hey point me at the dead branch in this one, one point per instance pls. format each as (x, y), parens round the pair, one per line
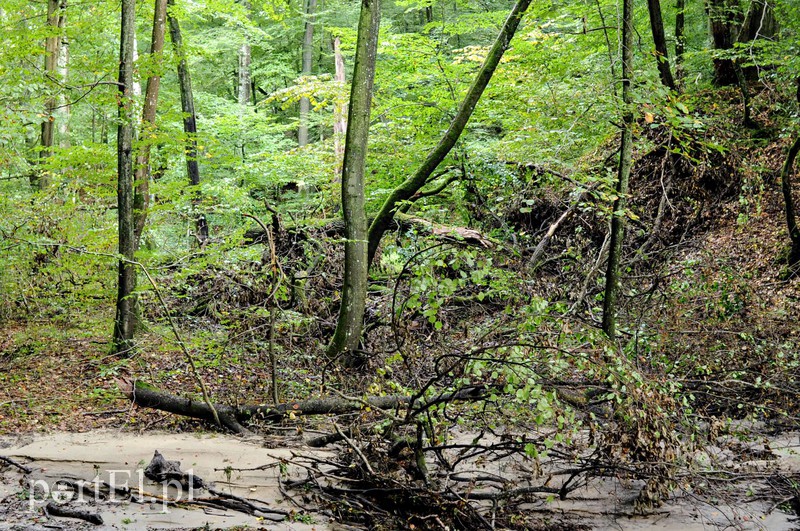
(9, 461)
(53, 509)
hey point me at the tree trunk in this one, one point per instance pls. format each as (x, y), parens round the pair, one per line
(339, 111)
(660, 41)
(126, 314)
(415, 182)
(63, 110)
(245, 56)
(308, 50)
(723, 17)
(680, 38)
(39, 179)
(189, 125)
(786, 187)
(623, 177)
(142, 198)
(354, 290)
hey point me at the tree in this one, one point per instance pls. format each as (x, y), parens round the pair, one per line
(189, 122)
(788, 200)
(339, 111)
(55, 24)
(354, 290)
(126, 314)
(723, 18)
(623, 176)
(680, 38)
(407, 189)
(245, 57)
(142, 181)
(308, 50)
(660, 41)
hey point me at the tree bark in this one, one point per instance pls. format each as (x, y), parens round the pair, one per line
(660, 41)
(723, 17)
(189, 124)
(63, 111)
(623, 177)
(126, 313)
(354, 290)
(339, 112)
(415, 182)
(308, 50)
(39, 179)
(680, 38)
(788, 199)
(141, 202)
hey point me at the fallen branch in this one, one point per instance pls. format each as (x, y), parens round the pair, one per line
(53, 509)
(232, 418)
(9, 461)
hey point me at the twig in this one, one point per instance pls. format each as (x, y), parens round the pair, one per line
(355, 448)
(9, 461)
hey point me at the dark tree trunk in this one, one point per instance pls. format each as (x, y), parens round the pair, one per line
(189, 125)
(354, 291)
(126, 314)
(724, 17)
(660, 41)
(141, 201)
(788, 199)
(680, 38)
(623, 177)
(408, 188)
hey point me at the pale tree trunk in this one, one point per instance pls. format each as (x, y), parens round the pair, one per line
(63, 111)
(660, 41)
(142, 181)
(39, 179)
(308, 50)
(623, 177)
(339, 112)
(354, 290)
(137, 86)
(408, 188)
(126, 314)
(189, 125)
(245, 55)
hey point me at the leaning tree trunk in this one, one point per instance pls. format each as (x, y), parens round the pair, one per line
(660, 41)
(408, 188)
(308, 50)
(141, 202)
(126, 316)
(189, 125)
(356, 268)
(623, 177)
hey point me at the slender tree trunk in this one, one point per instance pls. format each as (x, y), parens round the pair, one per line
(189, 124)
(623, 176)
(39, 179)
(245, 56)
(142, 182)
(680, 38)
(354, 290)
(339, 111)
(660, 40)
(786, 187)
(63, 110)
(413, 183)
(308, 50)
(126, 315)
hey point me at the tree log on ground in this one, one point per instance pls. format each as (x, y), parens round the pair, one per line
(233, 418)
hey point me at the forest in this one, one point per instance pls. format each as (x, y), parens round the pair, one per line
(399, 264)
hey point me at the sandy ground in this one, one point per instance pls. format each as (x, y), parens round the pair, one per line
(256, 468)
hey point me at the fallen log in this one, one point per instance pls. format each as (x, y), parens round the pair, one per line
(232, 418)
(53, 509)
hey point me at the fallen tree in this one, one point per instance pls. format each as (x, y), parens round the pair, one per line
(232, 418)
